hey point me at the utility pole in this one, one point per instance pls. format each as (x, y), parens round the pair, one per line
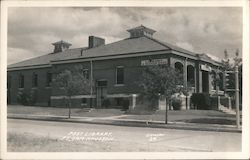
(236, 90)
(166, 113)
(237, 104)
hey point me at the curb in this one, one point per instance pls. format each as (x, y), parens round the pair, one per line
(184, 126)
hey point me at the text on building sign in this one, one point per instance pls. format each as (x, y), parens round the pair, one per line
(154, 62)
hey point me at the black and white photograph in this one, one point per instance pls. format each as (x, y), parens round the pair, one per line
(137, 78)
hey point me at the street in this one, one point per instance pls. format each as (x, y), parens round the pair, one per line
(120, 138)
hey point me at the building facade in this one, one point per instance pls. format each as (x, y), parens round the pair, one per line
(114, 69)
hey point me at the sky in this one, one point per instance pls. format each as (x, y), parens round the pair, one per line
(210, 30)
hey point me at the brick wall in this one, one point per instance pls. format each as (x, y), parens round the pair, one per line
(43, 92)
(102, 69)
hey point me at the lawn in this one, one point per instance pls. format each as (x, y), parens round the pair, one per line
(190, 116)
(31, 110)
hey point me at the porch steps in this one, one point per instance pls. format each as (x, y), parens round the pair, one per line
(226, 110)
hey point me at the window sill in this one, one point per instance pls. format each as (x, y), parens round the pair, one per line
(119, 85)
(34, 88)
(21, 88)
(48, 87)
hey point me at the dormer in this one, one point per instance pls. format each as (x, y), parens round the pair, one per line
(141, 31)
(61, 46)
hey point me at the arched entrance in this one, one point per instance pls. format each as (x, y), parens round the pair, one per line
(179, 68)
(221, 81)
(190, 76)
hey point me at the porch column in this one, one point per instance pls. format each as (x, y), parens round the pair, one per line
(209, 82)
(195, 81)
(200, 81)
(216, 82)
(185, 73)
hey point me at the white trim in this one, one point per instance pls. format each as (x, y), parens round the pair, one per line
(118, 95)
(28, 67)
(94, 96)
(119, 85)
(121, 95)
(129, 55)
(73, 97)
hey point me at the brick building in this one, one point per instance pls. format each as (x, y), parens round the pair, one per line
(113, 68)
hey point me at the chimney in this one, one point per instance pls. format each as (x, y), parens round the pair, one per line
(61, 46)
(95, 41)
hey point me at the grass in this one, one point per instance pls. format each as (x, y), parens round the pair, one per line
(19, 109)
(190, 116)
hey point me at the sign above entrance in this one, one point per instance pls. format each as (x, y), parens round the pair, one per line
(154, 62)
(205, 67)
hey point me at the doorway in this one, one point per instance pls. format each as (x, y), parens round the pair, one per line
(101, 92)
(205, 81)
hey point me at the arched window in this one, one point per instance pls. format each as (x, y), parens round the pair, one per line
(190, 75)
(213, 74)
(85, 73)
(179, 67)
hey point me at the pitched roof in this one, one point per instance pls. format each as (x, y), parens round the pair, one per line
(41, 60)
(126, 46)
(141, 44)
(130, 45)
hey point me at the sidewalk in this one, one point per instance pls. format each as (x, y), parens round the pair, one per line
(121, 121)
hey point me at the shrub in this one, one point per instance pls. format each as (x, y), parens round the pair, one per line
(22, 98)
(201, 100)
(27, 99)
(176, 103)
(125, 104)
(32, 97)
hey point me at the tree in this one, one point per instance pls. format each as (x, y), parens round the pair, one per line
(226, 61)
(72, 82)
(161, 80)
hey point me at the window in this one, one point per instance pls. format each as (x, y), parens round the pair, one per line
(9, 82)
(136, 34)
(34, 80)
(49, 79)
(85, 73)
(120, 75)
(21, 81)
(84, 100)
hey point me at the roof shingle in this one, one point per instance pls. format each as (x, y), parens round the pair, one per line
(129, 45)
